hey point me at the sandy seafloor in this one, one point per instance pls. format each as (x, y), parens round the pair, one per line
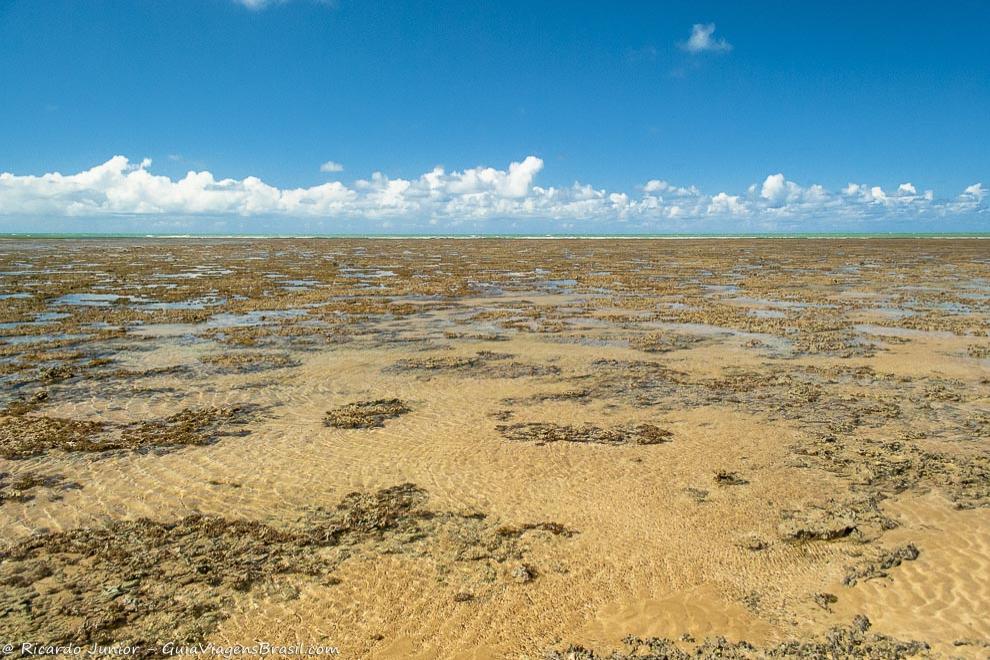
(498, 448)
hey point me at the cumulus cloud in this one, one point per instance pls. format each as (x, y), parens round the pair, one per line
(726, 204)
(975, 192)
(124, 189)
(663, 187)
(703, 40)
(331, 166)
(779, 191)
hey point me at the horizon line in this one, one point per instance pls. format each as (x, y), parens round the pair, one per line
(489, 236)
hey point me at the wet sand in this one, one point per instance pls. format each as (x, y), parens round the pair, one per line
(498, 448)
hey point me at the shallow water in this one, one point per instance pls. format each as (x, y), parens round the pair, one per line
(832, 409)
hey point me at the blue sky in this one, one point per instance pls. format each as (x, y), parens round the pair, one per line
(608, 97)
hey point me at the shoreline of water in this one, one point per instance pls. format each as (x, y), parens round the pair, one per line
(830, 236)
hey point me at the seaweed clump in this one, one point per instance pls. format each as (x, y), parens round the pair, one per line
(728, 478)
(249, 361)
(192, 426)
(146, 581)
(437, 363)
(878, 568)
(817, 525)
(891, 467)
(365, 414)
(852, 641)
(484, 364)
(23, 487)
(544, 432)
(22, 436)
(25, 404)
(979, 351)
(861, 519)
(665, 342)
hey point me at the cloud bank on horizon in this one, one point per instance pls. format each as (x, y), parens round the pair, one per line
(442, 200)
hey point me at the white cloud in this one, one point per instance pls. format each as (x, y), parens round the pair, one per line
(702, 40)
(257, 5)
(331, 166)
(654, 186)
(779, 191)
(725, 204)
(120, 188)
(976, 192)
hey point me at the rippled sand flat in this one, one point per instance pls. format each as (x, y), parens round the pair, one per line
(498, 448)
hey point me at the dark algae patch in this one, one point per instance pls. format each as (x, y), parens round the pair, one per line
(729, 478)
(192, 426)
(365, 414)
(438, 364)
(249, 361)
(24, 404)
(544, 432)
(861, 520)
(484, 364)
(665, 342)
(851, 641)
(147, 581)
(25, 487)
(22, 436)
(878, 567)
